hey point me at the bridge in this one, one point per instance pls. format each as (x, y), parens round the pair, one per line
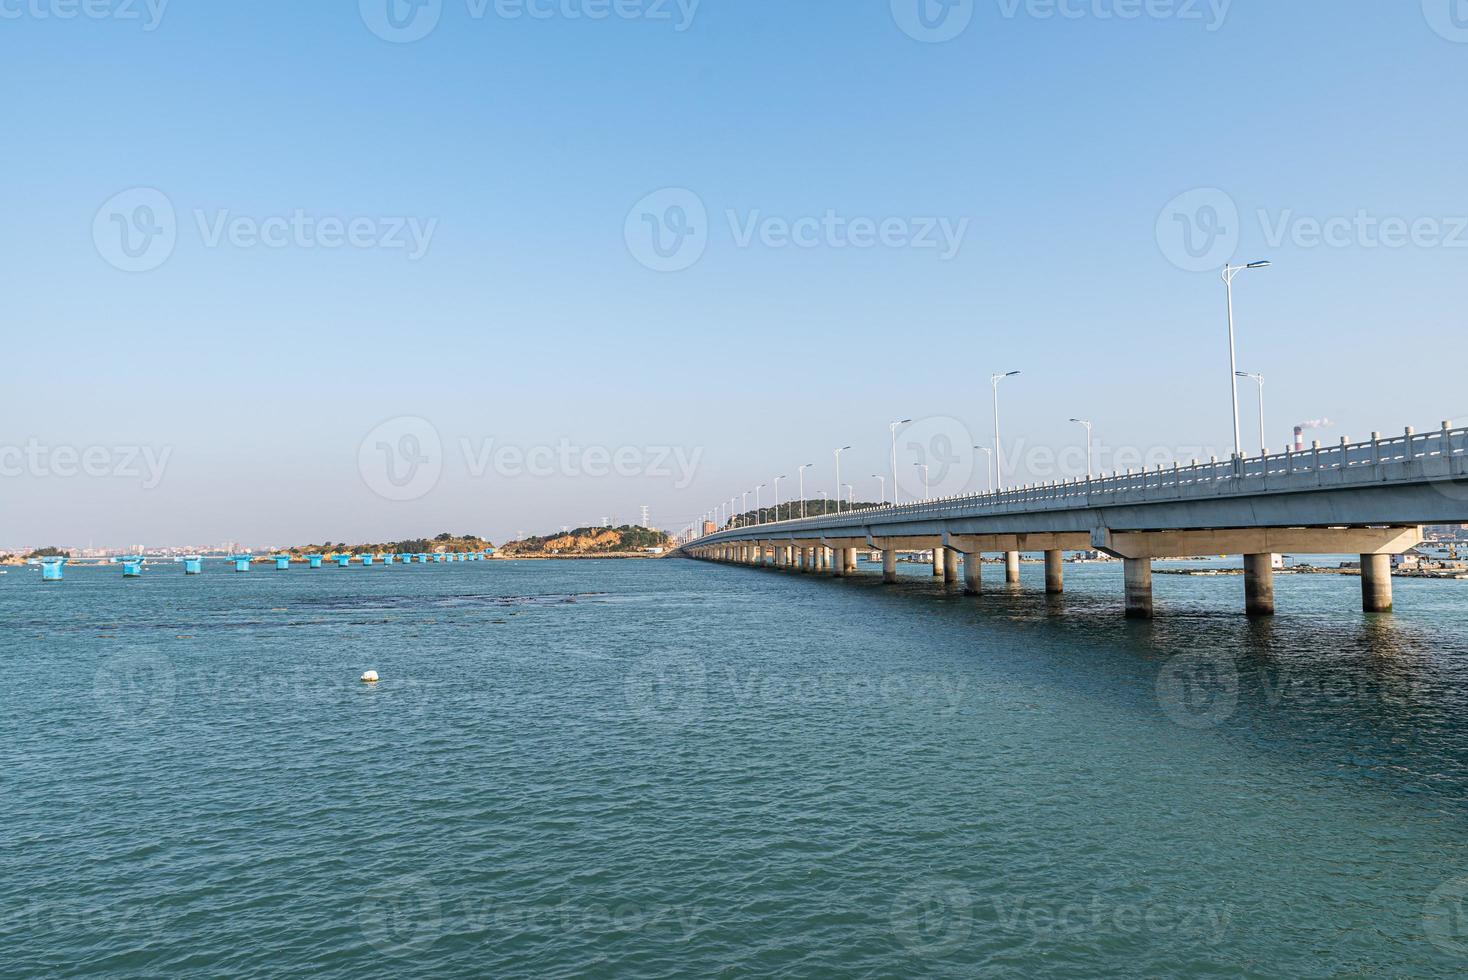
(1366, 498)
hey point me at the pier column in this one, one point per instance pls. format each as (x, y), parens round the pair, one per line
(950, 566)
(937, 561)
(807, 560)
(1259, 585)
(1138, 588)
(1054, 572)
(1011, 567)
(973, 572)
(850, 561)
(889, 565)
(1376, 583)
(838, 563)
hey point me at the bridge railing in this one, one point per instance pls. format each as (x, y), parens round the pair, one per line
(1223, 476)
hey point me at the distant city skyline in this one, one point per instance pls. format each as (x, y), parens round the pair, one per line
(495, 272)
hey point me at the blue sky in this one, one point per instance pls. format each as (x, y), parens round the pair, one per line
(266, 380)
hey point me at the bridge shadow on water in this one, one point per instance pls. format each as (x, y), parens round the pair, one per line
(1372, 699)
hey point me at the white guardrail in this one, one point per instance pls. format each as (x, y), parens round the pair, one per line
(1224, 478)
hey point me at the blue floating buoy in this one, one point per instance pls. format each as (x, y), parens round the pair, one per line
(282, 563)
(388, 559)
(241, 563)
(314, 560)
(51, 569)
(193, 565)
(132, 568)
(342, 561)
(367, 560)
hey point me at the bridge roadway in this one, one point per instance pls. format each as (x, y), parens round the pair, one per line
(1366, 498)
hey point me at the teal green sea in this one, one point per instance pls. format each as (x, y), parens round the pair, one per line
(675, 769)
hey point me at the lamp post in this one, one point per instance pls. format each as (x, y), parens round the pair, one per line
(850, 496)
(892, 427)
(822, 495)
(1087, 424)
(777, 495)
(759, 517)
(1258, 379)
(924, 468)
(883, 481)
(1229, 273)
(744, 509)
(998, 452)
(988, 466)
(803, 468)
(838, 453)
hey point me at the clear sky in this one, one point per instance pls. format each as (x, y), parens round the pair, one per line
(285, 271)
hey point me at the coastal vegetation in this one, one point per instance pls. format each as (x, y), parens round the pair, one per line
(445, 542)
(629, 538)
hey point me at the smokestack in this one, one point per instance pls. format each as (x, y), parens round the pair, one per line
(1312, 424)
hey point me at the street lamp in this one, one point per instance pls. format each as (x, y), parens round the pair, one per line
(892, 427)
(988, 465)
(822, 495)
(883, 481)
(1229, 272)
(924, 468)
(759, 517)
(1258, 379)
(850, 496)
(744, 509)
(802, 486)
(838, 453)
(1088, 444)
(999, 465)
(777, 495)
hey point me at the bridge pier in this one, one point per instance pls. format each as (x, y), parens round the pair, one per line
(1376, 583)
(937, 561)
(889, 565)
(950, 566)
(838, 562)
(1011, 567)
(1138, 572)
(973, 572)
(850, 561)
(1054, 572)
(1259, 585)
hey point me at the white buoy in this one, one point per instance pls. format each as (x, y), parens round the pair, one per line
(370, 677)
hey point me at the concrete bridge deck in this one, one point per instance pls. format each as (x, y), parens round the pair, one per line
(1368, 498)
